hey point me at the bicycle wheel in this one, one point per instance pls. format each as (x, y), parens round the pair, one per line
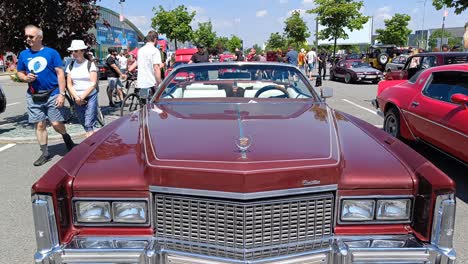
(100, 117)
(130, 104)
(69, 111)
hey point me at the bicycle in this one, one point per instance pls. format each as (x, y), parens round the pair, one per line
(130, 83)
(136, 100)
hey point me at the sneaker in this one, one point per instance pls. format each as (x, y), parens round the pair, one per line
(42, 160)
(111, 105)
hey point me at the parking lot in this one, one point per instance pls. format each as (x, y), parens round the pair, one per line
(18, 174)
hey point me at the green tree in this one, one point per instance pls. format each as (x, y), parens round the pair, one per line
(204, 35)
(296, 29)
(336, 16)
(396, 30)
(437, 34)
(459, 5)
(233, 43)
(221, 43)
(175, 24)
(257, 48)
(276, 41)
(61, 22)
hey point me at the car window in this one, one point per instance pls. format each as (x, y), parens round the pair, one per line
(415, 77)
(359, 64)
(402, 59)
(223, 81)
(442, 85)
(456, 59)
(415, 62)
(428, 62)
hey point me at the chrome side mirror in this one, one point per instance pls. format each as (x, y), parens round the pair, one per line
(326, 92)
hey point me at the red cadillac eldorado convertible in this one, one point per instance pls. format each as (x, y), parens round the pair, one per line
(431, 108)
(249, 167)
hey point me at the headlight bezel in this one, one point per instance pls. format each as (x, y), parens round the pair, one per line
(376, 198)
(111, 201)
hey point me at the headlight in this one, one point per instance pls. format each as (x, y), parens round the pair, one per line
(129, 212)
(93, 212)
(357, 210)
(111, 212)
(393, 209)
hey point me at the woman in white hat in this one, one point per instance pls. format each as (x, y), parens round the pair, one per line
(81, 84)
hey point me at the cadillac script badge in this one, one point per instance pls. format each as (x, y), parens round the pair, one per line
(311, 182)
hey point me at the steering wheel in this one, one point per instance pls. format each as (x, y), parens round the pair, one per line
(272, 87)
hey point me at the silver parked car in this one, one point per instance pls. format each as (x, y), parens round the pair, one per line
(397, 63)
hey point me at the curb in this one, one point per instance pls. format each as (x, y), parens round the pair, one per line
(27, 140)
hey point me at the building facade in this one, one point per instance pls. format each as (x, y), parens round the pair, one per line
(111, 32)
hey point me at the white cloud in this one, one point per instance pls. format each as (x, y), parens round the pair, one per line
(143, 23)
(261, 13)
(198, 9)
(307, 2)
(237, 20)
(302, 12)
(283, 1)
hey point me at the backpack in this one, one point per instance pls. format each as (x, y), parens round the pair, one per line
(70, 67)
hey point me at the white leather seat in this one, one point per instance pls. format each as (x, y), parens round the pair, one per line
(201, 86)
(204, 93)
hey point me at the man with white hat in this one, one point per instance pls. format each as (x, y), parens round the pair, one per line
(41, 68)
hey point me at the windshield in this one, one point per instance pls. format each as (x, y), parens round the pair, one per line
(221, 82)
(359, 64)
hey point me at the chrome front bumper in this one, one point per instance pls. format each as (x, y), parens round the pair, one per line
(341, 250)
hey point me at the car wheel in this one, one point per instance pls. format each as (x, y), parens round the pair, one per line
(348, 78)
(392, 122)
(383, 59)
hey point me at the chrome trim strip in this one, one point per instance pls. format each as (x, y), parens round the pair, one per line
(243, 196)
(45, 223)
(435, 123)
(439, 218)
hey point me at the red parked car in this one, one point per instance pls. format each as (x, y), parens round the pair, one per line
(253, 167)
(182, 56)
(431, 107)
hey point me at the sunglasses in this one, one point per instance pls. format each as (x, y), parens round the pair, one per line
(75, 51)
(29, 36)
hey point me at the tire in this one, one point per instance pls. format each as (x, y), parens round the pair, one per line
(100, 117)
(130, 104)
(383, 59)
(332, 76)
(3, 101)
(348, 78)
(392, 122)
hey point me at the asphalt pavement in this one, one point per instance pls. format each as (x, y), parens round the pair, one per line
(17, 173)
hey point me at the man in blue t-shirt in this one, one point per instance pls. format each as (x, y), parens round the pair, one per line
(291, 56)
(41, 68)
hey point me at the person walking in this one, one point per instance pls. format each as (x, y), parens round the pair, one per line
(81, 83)
(291, 56)
(322, 60)
(200, 56)
(41, 68)
(113, 74)
(301, 60)
(311, 61)
(149, 63)
(238, 55)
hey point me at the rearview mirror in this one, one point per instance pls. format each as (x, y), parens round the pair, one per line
(459, 99)
(326, 92)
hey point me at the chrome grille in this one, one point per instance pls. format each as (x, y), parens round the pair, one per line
(245, 226)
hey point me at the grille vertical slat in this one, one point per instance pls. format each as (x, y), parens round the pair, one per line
(244, 226)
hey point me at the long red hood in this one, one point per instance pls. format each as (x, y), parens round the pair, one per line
(194, 146)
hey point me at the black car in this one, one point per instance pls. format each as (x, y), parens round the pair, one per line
(355, 71)
(3, 101)
(102, 68)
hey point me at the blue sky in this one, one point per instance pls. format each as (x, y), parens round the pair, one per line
(255, 20)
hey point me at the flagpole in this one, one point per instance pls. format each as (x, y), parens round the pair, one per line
(443, 26)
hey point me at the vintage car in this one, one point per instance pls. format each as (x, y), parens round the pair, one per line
(421, 61)
(379, 55)
(249, 167)
(354, 71)
(3, 100)
(396, 63)
(431, 108)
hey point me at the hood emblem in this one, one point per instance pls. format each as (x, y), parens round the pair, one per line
(311, 182)
(244, 143)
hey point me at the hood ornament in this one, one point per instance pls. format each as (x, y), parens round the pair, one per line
(244, 143)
